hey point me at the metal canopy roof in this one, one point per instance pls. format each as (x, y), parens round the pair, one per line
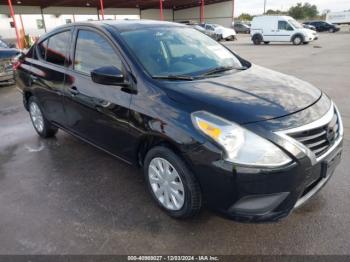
(142, 4)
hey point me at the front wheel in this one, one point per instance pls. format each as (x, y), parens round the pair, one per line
(331, 30)
(43, 127)
(257, 39)
(297, 40)
(172, 185)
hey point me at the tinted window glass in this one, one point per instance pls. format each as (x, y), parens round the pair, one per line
(57, 49)
(42, 48)
(93, 51)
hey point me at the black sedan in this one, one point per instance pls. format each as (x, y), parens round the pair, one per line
(206, 126)
(7, 53)
(322, 26)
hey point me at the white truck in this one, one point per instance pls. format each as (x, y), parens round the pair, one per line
(338, 18)
(266, 29)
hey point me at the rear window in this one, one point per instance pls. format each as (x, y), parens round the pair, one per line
(54, 49)
(57, 48)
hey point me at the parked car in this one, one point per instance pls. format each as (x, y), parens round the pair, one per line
(223, 32)
(322, 26)
(205, 125)
(266, 29)
(241, 28)
(311, 27)
(196, 26)
(7, 54)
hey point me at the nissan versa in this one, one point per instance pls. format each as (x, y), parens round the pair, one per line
(207, 127)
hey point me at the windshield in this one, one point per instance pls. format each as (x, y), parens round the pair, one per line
(3, 44)
(295, 24)
(177, 51)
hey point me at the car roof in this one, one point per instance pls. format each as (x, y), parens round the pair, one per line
(123, 25)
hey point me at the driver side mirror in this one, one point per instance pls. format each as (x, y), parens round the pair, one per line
(108, 75)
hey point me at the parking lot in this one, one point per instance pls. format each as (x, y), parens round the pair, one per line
(63, 196)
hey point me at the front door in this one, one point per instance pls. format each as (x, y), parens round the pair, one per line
(284, 32)
(98, 113)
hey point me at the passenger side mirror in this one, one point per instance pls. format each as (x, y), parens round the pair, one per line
(108, 75)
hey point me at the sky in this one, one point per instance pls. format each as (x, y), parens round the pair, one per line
(255, 7)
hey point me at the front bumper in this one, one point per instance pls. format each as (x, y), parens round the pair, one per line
(259, 195)
(250, 194)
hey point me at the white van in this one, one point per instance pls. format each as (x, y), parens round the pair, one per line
(266, 29)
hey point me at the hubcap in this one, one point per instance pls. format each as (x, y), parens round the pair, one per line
(166, 184)
(36, 116)
(297, 40)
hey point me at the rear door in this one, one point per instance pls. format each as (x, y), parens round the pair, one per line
(48, 74)
(95, 112)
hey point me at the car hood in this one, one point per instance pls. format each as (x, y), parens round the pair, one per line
(252, 95)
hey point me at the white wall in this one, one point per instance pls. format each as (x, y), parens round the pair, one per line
(220, 13)
(55, 16)
(154, 14)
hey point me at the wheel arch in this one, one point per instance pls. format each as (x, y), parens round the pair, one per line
(26, 95)
(296, 35)
(152, 140)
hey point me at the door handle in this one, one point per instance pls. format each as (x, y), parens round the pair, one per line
(74, 90)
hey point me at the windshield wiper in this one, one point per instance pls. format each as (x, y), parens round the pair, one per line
(174, 77)
(220, 69)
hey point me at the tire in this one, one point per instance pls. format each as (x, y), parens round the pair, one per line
(43, 127)
(266, 42)
(185, 200)
(297, 40)
(257, 39)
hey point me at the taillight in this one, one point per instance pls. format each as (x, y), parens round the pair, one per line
(16, 63)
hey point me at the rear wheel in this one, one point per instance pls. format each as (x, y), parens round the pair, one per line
(172, 185)
(43, 127)
(257, 39)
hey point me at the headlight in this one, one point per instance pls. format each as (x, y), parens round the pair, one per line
(241, 145)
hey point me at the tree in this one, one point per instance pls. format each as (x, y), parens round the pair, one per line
(302, 11)
(274, 12)
(245, 17)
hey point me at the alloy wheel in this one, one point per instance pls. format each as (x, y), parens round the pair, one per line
(36, 116)
(166, 184)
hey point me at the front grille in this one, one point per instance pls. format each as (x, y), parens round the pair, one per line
(319, 139)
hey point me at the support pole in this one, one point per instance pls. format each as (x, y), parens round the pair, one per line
(73, 18)
(202, 12)
(24, 31)
(233, 11)
(98, 13)
(14, 23)
(264, 6)
(102, 10)
(43, 18)
(161, 10)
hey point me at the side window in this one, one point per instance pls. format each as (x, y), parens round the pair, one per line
(42, 49)
(283, 25)
(93, 51)
(57, 48)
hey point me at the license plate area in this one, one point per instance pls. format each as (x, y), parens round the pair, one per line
(328, 166)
